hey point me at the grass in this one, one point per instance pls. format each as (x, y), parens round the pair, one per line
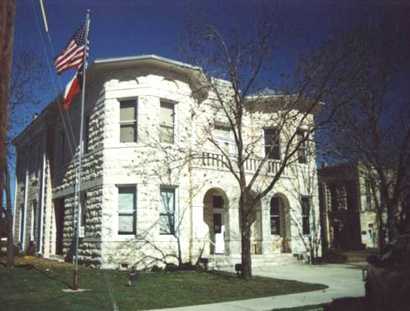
(36, 284)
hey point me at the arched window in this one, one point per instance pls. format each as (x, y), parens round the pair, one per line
(275, 216)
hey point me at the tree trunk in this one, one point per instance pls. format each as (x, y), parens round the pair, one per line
(380, 230)
(9, 215)
(7, 12)
(391, 221)
(390, 207)
(246, 259)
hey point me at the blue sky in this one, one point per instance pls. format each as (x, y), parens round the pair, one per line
(135, 27)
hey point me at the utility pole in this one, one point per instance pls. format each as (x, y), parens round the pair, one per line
(7, 13)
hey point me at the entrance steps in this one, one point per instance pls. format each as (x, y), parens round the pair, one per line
(227, 263)
(358, 256)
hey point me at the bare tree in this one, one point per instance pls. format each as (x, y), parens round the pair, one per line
(235, 66)
(305, 217)
(26, 85)
(374, 129)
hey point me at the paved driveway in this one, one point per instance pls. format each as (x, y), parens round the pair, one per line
(343, 281)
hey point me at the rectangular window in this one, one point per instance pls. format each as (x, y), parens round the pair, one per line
(128, 121)
(167, 211)
(87, 134)
(272, 143)
(223, 137)
(126, 209)
(275, 216)
(305, 202)
(167, 120)
(302, 151)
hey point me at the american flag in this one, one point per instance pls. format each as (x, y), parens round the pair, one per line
(73, 55)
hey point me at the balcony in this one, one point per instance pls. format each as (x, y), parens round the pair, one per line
(216, 161)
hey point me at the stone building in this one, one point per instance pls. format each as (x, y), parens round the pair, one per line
(347, 205)
(153, 186)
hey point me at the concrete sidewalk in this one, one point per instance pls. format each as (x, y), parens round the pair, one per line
(343, 281)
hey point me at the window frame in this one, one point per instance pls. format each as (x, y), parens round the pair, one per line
(225, 142)
(169, 103)
(306, 216)
(171, 230)
(133, 212)
(276, 216)
(130, 102)
(270, 149)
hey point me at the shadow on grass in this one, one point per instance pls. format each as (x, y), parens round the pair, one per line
(43, 273)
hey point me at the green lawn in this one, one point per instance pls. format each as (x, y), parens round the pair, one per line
(37, 285)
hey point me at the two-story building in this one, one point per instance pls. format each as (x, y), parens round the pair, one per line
(154, 187)
(348, 207)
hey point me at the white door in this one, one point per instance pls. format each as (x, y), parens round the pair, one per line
(219, 232)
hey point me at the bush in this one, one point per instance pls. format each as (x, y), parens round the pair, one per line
(155, 268)
(170, 267)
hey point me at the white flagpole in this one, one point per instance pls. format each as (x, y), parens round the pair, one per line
(76, 279)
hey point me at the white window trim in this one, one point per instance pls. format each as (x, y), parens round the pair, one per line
(125, 236)
(176, 136)
(170, 237)
(136, 120)
(264, 144)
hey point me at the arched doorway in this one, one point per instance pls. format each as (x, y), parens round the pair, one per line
(280, 221)
(216, 217)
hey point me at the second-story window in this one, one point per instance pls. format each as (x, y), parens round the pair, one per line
(303, 144)
(272, 143)
(166, 122)
(223, 137)
(128, 121)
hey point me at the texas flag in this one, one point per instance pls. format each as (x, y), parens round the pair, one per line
(72, 88)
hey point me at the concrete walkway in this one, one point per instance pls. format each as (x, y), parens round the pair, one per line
(343, 281)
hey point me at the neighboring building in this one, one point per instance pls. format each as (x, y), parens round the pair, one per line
(152, 184)
(348, 208)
